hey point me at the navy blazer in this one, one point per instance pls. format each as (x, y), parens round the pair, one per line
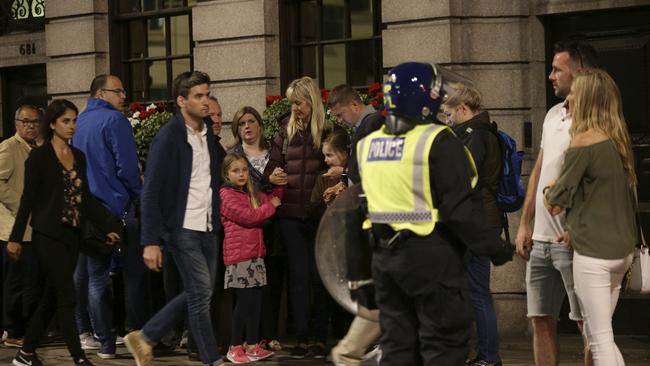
(42, 196)
(167, 181)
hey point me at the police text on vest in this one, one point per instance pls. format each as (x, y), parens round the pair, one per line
(386, 148)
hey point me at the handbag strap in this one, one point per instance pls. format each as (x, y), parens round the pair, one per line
(638, 219)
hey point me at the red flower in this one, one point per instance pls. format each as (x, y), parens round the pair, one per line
(374, 103)
(325, 94)
(143, 115)
(374, 87)
(379, 95)
(134, 106)
(270, 99)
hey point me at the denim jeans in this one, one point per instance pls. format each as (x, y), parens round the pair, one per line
(549, 276)
(478, 273)
(135, 274)
(304, 280)
(195, 255)
(93, 310)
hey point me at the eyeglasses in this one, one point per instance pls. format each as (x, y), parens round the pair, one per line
(117, 91)
(29, 122)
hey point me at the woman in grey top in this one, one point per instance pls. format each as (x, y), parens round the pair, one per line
(596, 188)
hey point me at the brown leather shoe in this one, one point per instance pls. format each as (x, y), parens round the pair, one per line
(141, 350)
(13, 342)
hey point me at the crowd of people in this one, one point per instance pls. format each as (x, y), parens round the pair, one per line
(75, 204)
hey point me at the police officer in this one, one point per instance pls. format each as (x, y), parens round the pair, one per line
(418, 180)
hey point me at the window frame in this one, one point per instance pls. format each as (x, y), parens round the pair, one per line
(291, 46)
(8, 24)
(120, 42)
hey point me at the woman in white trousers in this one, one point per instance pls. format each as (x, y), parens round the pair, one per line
(596, 187)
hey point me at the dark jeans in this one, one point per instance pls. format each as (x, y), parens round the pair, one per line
(303, 278)
(195, 256)
(134, 273)
(57, 258)
(424, 304)
(478, 273)
(246, 316)
(22, 286)
(94, 304)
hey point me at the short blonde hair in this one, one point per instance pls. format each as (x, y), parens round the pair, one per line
(460, 93)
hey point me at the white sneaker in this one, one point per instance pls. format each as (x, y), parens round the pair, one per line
(106, 356)
(88, 342)
(119, 340)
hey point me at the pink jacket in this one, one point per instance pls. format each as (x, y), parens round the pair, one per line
(242, 224)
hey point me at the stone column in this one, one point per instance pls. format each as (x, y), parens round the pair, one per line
(76, 39)
(237, 44)
(500, 46)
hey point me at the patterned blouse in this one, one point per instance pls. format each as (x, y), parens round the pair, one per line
(71, 197)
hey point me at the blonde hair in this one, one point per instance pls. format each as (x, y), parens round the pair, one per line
(306, 89)
(596, 104)
(250, 187)
(459, 93)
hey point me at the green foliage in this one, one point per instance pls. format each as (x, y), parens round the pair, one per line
(271, 117)
(146, 130)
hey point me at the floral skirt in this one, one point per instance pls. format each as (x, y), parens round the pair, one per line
(246, 274)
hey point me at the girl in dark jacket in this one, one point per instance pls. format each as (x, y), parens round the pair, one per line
(243, 212)
(57, 197)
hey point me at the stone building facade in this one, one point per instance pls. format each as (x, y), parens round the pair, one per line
(503, 45)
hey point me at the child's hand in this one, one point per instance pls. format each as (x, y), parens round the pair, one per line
(334, 172)
(278, 177)
(275, 201)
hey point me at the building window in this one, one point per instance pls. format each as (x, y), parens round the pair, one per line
(154, 44)
(334, 41)
(21, 15)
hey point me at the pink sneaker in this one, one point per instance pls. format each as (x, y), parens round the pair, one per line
(259, 352)
(237, 355)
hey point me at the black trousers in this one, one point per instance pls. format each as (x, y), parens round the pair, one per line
(57, 258)
(246, 317)
(424, 304)
(21, 289)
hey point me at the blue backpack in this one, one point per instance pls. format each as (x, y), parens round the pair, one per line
(510, 193)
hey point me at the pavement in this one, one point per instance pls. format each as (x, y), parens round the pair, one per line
(514, 352)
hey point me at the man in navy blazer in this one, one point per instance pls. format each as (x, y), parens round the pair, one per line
(180, 207)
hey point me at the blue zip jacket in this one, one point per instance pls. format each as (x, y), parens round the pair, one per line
(167, 181)
(105, 136)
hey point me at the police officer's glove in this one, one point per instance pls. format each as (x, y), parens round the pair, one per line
(504, 254)
(364, 295)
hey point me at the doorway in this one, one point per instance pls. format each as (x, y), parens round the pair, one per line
(622, 39)
(21, 85)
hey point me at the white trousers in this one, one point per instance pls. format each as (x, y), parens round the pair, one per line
(597, 283)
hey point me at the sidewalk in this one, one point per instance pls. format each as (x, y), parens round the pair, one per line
(515, 352)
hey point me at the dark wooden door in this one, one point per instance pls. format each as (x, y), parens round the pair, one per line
(622, 39)
(21, 85)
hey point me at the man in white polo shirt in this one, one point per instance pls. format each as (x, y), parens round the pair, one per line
(549, 271)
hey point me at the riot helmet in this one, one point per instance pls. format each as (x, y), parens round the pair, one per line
(413, 94)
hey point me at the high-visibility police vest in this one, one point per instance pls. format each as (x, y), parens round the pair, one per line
(395, 177)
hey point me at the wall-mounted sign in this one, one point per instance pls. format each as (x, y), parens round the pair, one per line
(22, 49)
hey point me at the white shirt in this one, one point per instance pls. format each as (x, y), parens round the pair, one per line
(198, 212)
(555, 142)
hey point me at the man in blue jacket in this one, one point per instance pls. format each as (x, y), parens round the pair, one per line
(106, 137)
(180, 207)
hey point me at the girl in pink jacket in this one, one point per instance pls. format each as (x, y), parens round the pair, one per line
(243, 211)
